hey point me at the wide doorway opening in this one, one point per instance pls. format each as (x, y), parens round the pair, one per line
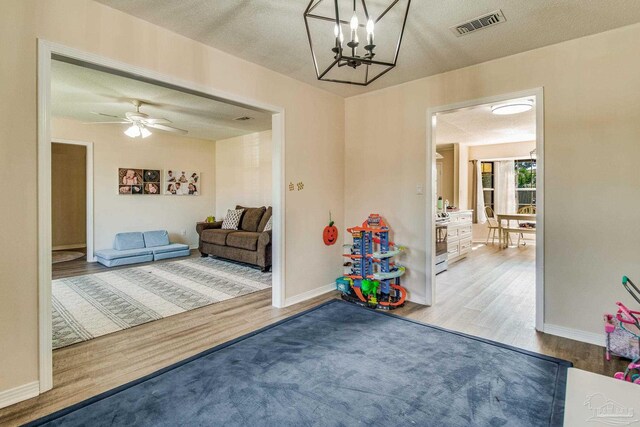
(487, 216)
(182, 207)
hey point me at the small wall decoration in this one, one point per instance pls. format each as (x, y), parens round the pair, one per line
(138, 181)
(300, 186)
(179, 182)
(330, 233)
(130, 181)
(291, 186)
(151, 179)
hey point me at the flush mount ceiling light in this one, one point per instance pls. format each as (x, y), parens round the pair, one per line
(370, 49)
(513, 107)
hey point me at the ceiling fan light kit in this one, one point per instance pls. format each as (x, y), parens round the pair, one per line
(140, 123)
(135, 131)
(374, 28)
(132, 132)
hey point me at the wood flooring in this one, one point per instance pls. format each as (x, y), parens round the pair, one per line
(489, 294)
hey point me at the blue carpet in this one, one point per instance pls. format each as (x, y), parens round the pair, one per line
(340, 364)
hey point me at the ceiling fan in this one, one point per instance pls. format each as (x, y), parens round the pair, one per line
(140, 123)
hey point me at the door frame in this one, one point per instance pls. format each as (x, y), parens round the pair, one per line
(538, 94)
(89, 179)
(47, 51)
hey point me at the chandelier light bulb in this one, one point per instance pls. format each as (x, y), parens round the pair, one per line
(370, 25)
(145, 132)
(354, 22)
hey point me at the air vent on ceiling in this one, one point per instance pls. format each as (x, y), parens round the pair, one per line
(243, 118)
(479, 23)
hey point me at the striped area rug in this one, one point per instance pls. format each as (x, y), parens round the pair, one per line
(85, 307)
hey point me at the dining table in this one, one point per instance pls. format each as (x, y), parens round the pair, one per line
(525, 217)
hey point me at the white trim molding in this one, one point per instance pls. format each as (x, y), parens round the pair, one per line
(18, 394)
(45, 349)
(538, 94)
(46, 52)
(576, 334)
(310, 294)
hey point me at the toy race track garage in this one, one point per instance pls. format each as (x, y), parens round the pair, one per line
(374, 278)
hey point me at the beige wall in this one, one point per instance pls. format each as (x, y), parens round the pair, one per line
(243, 172)
(18, 262)
(114, 213)
(68, 195)
(314, 149)
(592, 130)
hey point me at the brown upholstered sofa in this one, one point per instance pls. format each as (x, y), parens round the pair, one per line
(249, 243)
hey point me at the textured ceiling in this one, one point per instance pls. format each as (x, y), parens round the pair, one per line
(79, 93)
(272, 33)
(479, 126)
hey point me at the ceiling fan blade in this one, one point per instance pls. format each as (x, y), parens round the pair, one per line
(105, 123)
(107, 115)
(167, 128)
(157, 121)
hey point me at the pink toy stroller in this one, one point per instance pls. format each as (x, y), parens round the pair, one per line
(623, 331)
(623, 328)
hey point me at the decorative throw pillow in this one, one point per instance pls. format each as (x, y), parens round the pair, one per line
(232, 220)
(269, 224)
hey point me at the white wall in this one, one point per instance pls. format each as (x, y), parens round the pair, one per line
(114, 213)
(243, 172)
(592, 130)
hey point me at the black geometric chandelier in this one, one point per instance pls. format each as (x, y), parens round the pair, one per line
(355, 41)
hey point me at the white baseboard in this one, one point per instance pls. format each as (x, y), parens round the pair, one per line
(421, 301)
(575, 334)
(66, 247)
(18, 394)
(309, 294)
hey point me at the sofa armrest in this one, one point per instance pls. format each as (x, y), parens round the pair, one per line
(201, 226)
(264, 250)
(264, 239)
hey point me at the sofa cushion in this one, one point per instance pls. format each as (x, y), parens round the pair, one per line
(156, 238)
(173, 247)
(125, 253)
(216, 236)
(125, 241)
(251, 218)
(243, 240)
(232, 220)
(265, 219)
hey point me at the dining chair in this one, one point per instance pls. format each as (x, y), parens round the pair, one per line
(492, 223)
(530, 228)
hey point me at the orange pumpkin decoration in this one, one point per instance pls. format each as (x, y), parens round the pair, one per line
(330, 233)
